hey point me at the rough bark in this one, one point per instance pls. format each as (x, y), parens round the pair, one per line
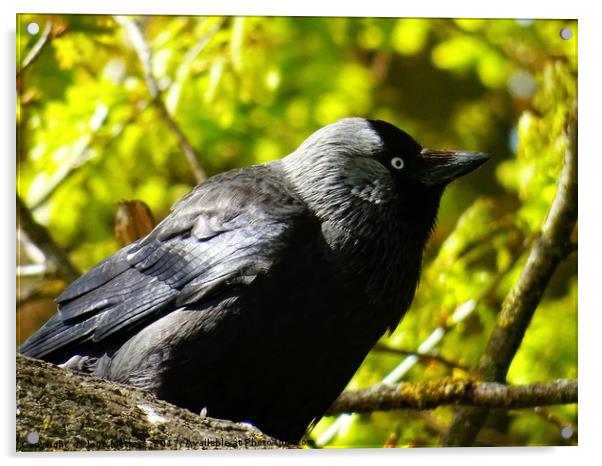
(133, 220)
(430, 395)
(60, 410)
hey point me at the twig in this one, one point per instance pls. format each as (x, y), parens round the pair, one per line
(56, 259)
(173, 94)
(83, 156)
(520, 304)
(430, 395)
(67, 170)
(424, 356)
(31, 270)
(144, 53)
(566, 429)
(61, 175)
(37, 48)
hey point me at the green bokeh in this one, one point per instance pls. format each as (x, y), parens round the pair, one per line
(257, 88)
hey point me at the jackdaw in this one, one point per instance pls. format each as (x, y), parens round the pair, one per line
(261, 293)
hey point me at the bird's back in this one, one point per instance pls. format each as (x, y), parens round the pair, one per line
(235, 302)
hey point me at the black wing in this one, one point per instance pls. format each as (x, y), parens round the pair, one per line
(220, 236)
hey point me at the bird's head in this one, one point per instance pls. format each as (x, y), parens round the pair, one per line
(348, 166)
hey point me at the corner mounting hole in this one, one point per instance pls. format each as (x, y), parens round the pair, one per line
(32, 437)
(32, 28)
(566, 33)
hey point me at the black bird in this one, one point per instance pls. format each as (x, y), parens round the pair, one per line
(261, 293)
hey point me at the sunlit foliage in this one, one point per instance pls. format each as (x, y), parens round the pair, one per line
(248, 90)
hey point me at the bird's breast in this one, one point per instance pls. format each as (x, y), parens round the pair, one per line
(379, 262)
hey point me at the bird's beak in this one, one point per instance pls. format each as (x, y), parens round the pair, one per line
(440, 167)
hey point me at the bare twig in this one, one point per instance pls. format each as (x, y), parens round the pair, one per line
(37, 48)
(561, 424)
(426, 357)
(56, 259)
(519, 306)
(59, 177)
(83, 156)
(144, 53)
(174, 92)
(31, 270)
(430, 395)
(65, 171)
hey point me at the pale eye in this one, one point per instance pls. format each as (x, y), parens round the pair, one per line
(397, 163)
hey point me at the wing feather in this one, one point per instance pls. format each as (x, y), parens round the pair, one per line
(218, 238)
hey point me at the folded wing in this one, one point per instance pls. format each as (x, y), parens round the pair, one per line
(217, 239)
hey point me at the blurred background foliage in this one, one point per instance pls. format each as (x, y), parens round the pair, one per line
(248, 90)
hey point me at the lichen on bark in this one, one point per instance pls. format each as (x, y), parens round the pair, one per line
(60, 410)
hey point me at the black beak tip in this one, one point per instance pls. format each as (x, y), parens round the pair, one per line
(481, 156)
(475, 159)
(468, 162)
(442, 167)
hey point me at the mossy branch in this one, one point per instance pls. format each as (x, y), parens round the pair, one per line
(552, 246)
(430, 395)
(59, 410)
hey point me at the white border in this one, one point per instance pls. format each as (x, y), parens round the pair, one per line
(457, 8)
(590, 235)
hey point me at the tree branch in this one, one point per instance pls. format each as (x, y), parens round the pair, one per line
(144, 53)
(552, 418)
(58, 409)
(423, 356)
(133, 220)
(37, 48)
(520, 304)
(430, 395)
(83, 156)
(56, 259)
